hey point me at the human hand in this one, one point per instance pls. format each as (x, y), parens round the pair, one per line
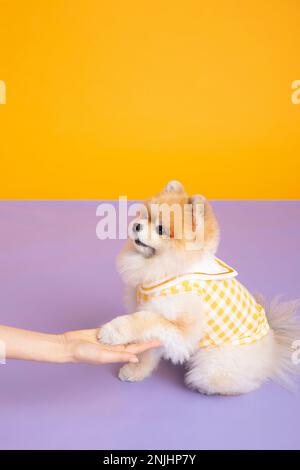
(83, 346)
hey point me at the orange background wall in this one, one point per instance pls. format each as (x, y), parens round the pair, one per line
(117, 97)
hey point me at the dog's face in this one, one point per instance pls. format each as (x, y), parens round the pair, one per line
(171, 232)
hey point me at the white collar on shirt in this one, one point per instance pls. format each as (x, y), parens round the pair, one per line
(209, 268)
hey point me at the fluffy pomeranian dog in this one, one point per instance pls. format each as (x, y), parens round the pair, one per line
(192, 302)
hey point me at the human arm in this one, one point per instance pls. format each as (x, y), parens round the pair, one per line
(72, 346)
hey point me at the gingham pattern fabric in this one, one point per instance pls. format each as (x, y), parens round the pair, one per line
(231, 315)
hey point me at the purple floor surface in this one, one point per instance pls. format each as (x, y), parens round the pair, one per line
(56, 275)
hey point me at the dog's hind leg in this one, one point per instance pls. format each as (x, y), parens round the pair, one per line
(231, 370)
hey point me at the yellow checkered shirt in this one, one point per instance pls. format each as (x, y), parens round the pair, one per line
(232, 315)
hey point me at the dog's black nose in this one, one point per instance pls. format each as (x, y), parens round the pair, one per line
(137, 228)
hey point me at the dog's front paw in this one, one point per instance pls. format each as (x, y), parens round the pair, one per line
(133, 373)
(115, 332)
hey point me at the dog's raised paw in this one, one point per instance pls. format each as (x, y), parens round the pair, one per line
(114, 332)
(108, 334)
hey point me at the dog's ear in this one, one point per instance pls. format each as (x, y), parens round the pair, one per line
(173, 186)
(198, 210)
(204, 219)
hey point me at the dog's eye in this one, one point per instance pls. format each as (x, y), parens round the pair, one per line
(160, 230)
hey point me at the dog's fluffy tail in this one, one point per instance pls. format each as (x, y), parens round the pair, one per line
(285, 324)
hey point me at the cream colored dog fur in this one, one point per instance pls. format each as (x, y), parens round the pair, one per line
(177, 321)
